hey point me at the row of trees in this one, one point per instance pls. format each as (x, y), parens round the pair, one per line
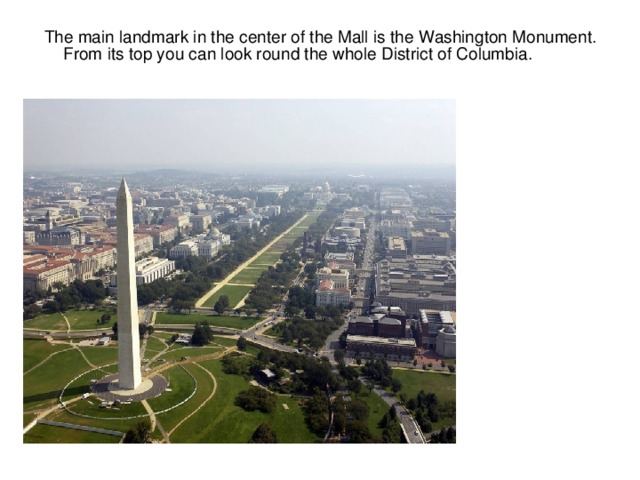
(272, 284)
(379, 371)
(445, 435)
(75, 295)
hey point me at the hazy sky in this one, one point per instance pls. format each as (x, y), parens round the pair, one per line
(223, 135)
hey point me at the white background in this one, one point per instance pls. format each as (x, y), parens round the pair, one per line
(547, 243)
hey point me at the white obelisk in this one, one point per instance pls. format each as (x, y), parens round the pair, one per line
(129, 376)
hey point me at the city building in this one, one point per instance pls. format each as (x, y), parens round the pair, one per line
(180, 222)
(148, 270)
(159, 233)
(278, 190)
(417, 282)
(430, 324)
(340, 278)
(200, 223)
(399, 228)
(327, 294)
(401, 349)
(186, 248)
(208, 248)
(396, 247)
(446, 342)
(430, 242)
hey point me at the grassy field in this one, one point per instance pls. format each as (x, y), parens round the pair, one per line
(239, 323)
(155, 344)
(50, 434)
(377, 410)
(49, 321)
(224, 341)
(42, 385)
(78, 320)
(248, 275)
(101, 355)
(35, 351)
(220, 421)
(170, 318)
(180, 351)
(311, 217)
(205, 386)
(117, 424)
(181, 385)
(234, 292)
(442, 384)
(267, 258)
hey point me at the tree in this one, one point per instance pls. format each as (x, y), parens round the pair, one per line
(222, 304)
(396, 385)
(451, 367)
(32, 311)
(141, 433)
(241, 344)
(256, 399)
(202, 334)
(264, 434)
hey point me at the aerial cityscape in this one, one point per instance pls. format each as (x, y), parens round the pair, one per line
(275, 292)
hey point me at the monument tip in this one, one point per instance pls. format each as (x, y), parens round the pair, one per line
(123, 187)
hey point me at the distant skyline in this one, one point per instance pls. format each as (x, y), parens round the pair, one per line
(344, 136)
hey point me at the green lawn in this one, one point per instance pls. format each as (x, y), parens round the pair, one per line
(224, 341)
(442, 384)
(35, 351)
(205, 386)
(42, 386)
(27, 418)
(248, 275)
(181, 385)
(227, 321)
(78, 320)
(234, 292)
(267, 258)
(220, 421)
(50, 321)
(117, 424)
(155, 345)
(239, 323)
(311, 217)
(377, 410)
(180, 351)
(100, 356)
(170, 318)
(50, 434)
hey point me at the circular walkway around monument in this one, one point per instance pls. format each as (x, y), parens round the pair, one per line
(107, 389)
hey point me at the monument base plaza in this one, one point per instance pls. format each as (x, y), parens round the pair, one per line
(107, 389)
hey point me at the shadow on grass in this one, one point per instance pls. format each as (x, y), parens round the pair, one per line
(73, 391)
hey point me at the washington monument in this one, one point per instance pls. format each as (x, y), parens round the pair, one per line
(129, 376)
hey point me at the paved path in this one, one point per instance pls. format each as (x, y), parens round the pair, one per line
(222, 283)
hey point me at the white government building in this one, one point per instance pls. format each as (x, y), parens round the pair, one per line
(148, 270)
